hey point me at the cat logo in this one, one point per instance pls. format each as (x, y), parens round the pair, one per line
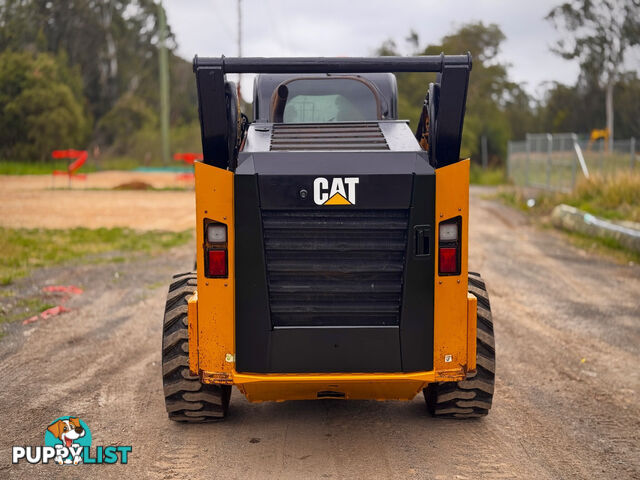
(342, 191)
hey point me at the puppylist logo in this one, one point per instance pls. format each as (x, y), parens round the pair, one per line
(67, 441)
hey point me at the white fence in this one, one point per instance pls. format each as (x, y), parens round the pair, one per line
(556, 161)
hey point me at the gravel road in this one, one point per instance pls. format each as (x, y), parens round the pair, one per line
(567, 396)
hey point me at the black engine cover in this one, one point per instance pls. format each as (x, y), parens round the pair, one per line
(334, 262)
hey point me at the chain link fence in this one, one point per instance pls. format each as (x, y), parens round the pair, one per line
(556, 161)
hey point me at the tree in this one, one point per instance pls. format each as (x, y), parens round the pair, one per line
(493, 101)
(627, 98)
(599, 35)
(113, 41)
(572, 108)
(129, 115)
(39, 112)
(111, 47)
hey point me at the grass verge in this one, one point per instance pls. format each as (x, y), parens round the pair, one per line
(614, 197)
(604, 246)
(23, 308)
(26, 249)
(147, 188)
(490, 176)
(46, 168)
(29, 168)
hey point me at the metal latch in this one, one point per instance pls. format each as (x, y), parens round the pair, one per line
(422, 240)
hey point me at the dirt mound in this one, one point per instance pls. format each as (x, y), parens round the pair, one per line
(133, 185)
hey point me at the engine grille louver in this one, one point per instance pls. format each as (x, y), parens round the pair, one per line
(342, 268)
(328, 136)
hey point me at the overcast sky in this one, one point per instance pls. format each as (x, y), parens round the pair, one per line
(358, 27)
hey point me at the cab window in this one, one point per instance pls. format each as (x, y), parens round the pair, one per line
(330, 99)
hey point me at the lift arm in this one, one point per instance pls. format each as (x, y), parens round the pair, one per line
(452, 81)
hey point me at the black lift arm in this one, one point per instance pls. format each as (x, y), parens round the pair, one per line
(452, 81)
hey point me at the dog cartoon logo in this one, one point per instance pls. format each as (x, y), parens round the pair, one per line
(69, 436)
(67, 441)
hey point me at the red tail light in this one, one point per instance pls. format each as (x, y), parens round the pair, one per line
(217, 263)
(448, 260)
(449, 241)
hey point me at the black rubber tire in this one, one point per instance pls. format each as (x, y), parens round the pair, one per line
(471, 397)
(186, 398)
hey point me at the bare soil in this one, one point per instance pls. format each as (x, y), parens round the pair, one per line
(567, 399)
(41, 201)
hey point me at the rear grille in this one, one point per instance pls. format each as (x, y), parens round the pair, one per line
(328, 136)
(335, 267)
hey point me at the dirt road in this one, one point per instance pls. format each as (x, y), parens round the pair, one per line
(567, 396)
(41, 201)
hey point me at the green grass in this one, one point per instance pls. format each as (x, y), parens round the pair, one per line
(105, 163)
(23, 308)
(613, 197)
(490, 176)
(616, 197)
(512, 196)
(540, 213)
(114, 163)
(46, 168)
(154, 285)
(26, 249)
(564, 169)
(140, 148)
(30, 168)
(149, 188)
(603, 246)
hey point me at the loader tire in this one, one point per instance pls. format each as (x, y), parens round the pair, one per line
(186, 398)
(471, 397)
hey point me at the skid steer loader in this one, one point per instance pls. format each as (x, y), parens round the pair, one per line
(331, 243)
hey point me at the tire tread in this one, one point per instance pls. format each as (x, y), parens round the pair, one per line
(472, 397)
(186, 398)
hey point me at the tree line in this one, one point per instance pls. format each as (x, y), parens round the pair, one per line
(84, 73)
(501, 109)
